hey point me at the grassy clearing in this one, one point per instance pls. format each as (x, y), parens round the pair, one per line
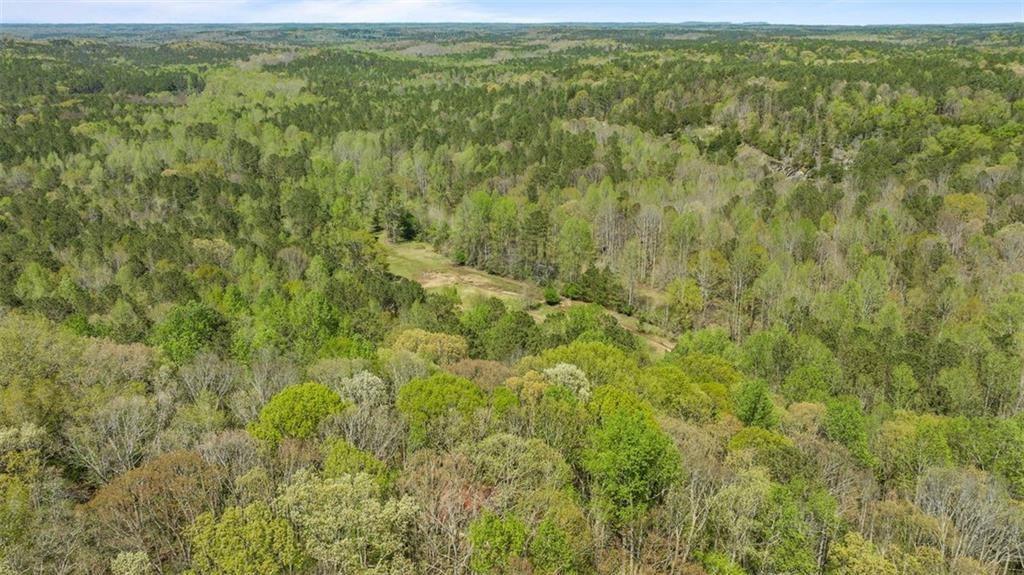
(421, 263)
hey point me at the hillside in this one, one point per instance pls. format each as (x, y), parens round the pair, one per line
(512, 299)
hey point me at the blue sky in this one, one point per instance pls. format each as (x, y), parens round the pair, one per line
(854, 12)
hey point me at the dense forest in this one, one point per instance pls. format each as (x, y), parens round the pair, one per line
(208, 366)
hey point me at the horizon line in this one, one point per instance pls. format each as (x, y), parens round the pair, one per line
(521, 23)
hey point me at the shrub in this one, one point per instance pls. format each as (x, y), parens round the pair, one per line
(551, 296)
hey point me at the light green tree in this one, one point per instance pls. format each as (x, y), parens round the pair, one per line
(630, 461)
(297, 412)
(853, 555)
(575, 247)
(341, 458)
(131, 563)
(439, 409)
(347, 524)
(186, 329)
(497, 542)
(753, 404)
(245, 540)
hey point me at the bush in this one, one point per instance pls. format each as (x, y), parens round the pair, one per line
(551, 296)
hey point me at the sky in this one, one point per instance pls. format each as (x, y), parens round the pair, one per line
(848, 12)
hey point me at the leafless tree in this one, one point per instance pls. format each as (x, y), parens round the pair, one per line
(208, 374)
(113, 438)
(976, 515)
(268, 374)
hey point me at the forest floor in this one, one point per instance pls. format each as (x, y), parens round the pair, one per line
(421, 263)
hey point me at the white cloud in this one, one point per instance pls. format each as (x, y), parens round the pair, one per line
(244, 11)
